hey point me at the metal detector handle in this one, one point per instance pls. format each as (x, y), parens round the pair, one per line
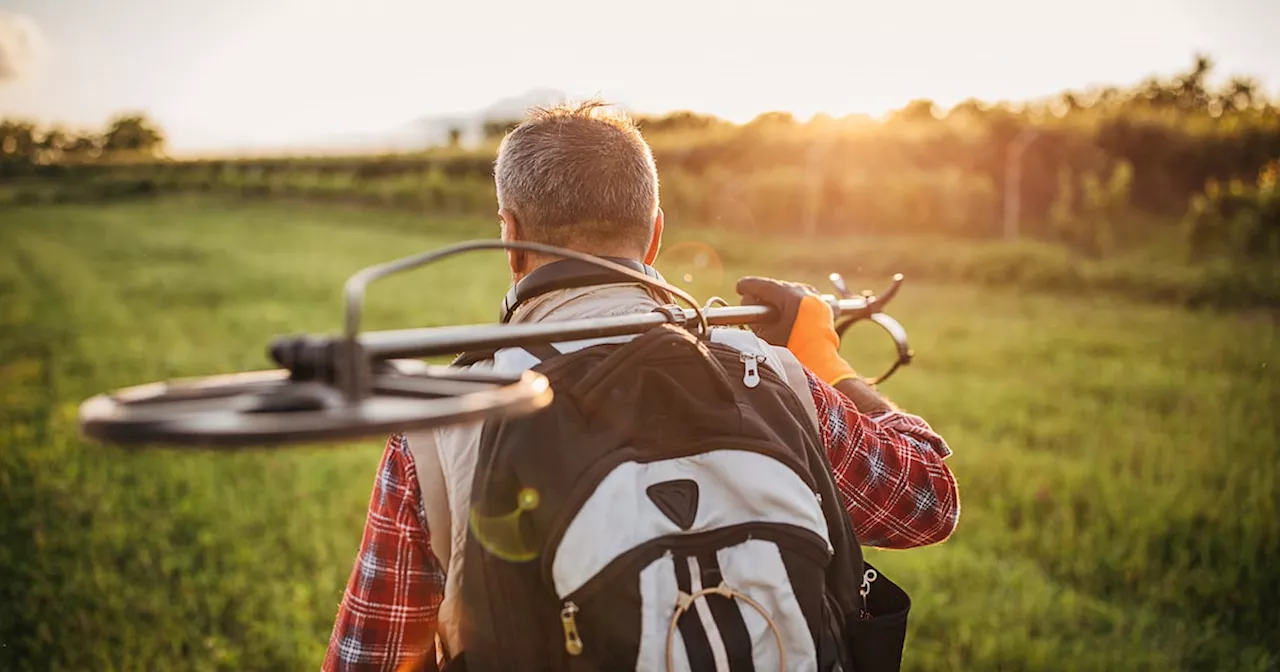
(872, 310)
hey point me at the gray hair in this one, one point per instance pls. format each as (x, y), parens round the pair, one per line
(579, 177)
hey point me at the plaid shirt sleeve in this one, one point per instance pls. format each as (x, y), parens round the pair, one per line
(387, 619)
(890, 471)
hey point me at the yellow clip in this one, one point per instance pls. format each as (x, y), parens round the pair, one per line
(572, 641)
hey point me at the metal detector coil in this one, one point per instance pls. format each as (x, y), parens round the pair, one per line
(359, 385)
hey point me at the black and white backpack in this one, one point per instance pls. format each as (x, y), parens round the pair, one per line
(672, 509)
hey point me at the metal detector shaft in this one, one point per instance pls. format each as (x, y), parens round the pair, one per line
(451, 340)
(442, 341)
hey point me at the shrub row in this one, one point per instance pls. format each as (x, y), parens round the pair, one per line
(1238, 219)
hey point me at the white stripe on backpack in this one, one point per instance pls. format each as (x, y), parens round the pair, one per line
(734, 486)
(754, 568)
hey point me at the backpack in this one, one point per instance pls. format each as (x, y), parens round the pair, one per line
(671, 509)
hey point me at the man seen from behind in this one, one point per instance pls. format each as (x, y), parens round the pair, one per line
(583, 178)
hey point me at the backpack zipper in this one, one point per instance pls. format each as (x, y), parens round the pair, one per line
(751, 372)
(569, 621)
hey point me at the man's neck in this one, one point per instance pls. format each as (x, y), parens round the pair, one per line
(534, 261)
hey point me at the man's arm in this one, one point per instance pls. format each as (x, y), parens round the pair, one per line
(387, 619)
(864, 397)
(888, 466)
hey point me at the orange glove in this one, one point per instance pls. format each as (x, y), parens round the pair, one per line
(806, 326)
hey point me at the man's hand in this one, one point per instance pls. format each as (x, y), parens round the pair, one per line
(806, 326)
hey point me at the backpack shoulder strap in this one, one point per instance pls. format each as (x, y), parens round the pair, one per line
(538, 353)
(423, 447)
(796, 378)
(431, 483)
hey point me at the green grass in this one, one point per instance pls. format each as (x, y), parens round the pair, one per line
(1117, 460)
(1151, 258)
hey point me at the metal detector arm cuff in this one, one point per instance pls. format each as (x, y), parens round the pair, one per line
(872, 309)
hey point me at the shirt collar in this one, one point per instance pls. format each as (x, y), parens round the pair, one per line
(585, 302)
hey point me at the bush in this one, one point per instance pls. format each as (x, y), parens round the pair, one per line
(811, 202)
(1238, 219)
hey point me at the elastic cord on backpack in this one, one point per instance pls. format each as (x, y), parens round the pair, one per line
(685, 600)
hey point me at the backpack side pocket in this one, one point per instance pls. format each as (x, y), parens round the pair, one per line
(876, 639)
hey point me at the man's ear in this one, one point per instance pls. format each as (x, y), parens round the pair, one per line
(518, 260)
(655, 243)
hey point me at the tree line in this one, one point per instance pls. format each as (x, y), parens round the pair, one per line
(1178, 148)
(24, 144)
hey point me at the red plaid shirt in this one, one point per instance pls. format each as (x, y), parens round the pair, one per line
(889, 468)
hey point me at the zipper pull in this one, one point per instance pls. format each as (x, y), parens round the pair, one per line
(572, 642)
(868, 577)
(751, 377)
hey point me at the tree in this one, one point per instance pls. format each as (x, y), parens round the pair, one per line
(52, 145)
(772, 119)
(84, 146)
(17, 144)
(133, 134)
(1241, 93)
(495, 129)
(1109, 97)
(1190, 90)
(1069, 103)
(967, 111)
(1186, 92)
(917, 111)
(680, 120)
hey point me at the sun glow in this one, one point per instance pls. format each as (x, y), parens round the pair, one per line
(286, 70)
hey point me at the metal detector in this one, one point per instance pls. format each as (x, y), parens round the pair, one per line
(359, 385)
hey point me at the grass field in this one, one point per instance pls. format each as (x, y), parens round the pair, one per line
(1119, 462)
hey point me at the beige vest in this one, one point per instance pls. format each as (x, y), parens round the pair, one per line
(445, 457)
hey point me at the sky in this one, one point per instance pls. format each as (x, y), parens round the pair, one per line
(254, 73)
